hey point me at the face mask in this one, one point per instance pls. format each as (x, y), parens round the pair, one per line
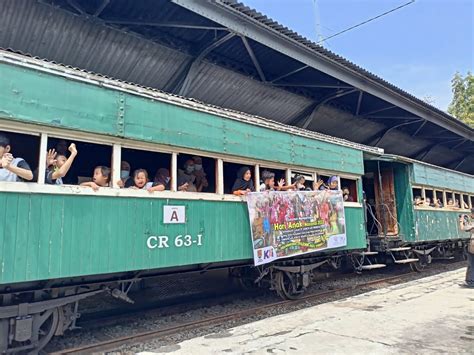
(124, 174)
(189, 169)
(197, 166)
(167, 180)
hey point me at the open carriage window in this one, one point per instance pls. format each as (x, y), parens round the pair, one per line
(196, 173)
(440, 200)
(457, 200)
(450, 199)
(89, 158)
(21, 151)
(235, 176)
(303, 181)
(471, 198)
(144, 169)
(429, 198)
(418, 199)
(464, 202)
(269, 174)
(349, 190)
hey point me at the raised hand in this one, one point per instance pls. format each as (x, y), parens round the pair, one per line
(72, 149)
(51, 158)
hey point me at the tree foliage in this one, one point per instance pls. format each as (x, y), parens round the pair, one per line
(462, 105)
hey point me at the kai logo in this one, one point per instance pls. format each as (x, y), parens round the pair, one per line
(174, 214)
(265, 254)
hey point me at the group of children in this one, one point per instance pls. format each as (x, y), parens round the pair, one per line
(437, 203)
(192, 178)
(244, 184)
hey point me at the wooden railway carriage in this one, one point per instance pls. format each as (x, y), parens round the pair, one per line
(403, 230)
(60, 244)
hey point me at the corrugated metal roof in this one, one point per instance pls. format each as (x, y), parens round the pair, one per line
(8, 56)
(266, 21)
(44, 32)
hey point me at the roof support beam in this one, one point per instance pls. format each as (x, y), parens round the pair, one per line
(76, 7)
(460, 162)
(223, 13)
(419, 128)
(163, 24)
(378, 110)
(254, 59)
(289, 73)
(359, 103)
(459, 144)
(422, 153)
(388, 130)
(323, 86)
(101, 8)
(191, 68)
(308, 118)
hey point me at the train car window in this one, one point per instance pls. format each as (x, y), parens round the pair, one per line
(89, 156)
(302, 179)
(279, 174)
(157, 165)
(440, 201)
(449, 199)
(231, 173)
(327, 180)
(464, 202)
(418, 200)
(429, 198)
(457, 200)
(25, 147)
(471, 198)
(196, 173)
(349, 190)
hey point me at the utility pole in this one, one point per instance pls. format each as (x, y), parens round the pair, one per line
(317, 20)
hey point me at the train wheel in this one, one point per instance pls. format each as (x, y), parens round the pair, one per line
(49, 322)
(287, 285)
(43, 329)
(421, 264)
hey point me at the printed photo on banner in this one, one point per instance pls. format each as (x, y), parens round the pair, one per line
(291, 223)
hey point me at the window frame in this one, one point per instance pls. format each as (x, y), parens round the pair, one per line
(117, 144)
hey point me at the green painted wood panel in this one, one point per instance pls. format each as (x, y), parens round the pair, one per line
(446, 179)
(431, 225)
(54, 236)
(36, 97)
(404, 200)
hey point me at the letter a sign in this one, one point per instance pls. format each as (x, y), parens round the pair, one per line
(174, 214)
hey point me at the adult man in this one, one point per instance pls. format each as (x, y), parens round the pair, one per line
(468, 226)
(12, 169)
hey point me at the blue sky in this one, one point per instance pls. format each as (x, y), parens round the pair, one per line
(418, 48)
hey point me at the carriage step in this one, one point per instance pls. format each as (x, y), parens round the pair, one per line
(367, 253)
(400, 249)
(443, 258)
(406, 261)
(372, 266)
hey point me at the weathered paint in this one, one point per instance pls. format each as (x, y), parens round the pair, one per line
(404, 199)
(54, 236)
(26, 95)
(436, 225)
(445, 179)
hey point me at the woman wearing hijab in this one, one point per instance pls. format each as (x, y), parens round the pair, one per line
(243, 184)
(332, 184)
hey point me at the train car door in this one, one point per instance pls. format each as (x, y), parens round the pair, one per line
(386, 205)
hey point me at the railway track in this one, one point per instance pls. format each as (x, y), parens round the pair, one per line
(112, 344)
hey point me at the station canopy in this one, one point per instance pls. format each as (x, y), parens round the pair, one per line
(223, 53)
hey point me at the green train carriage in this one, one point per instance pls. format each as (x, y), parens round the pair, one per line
(398, 226)
(60, 244)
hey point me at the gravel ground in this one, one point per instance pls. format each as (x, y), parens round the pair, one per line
(163, 317)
